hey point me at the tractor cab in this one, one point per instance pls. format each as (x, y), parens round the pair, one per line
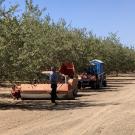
(96, 67)
(93, 75)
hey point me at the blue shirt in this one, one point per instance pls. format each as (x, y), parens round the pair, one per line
(53, 77)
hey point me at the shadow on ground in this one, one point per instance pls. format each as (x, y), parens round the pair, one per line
(111, 87)
(6, 103)
(42, 105)
(46, 105)
(5, 95)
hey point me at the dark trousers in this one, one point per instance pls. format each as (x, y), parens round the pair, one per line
(53, 92)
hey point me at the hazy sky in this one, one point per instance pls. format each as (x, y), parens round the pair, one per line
(99, 16)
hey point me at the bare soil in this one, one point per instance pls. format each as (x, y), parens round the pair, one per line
(108, 111)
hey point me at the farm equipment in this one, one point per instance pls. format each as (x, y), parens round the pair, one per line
(67, 85)
(93, 76)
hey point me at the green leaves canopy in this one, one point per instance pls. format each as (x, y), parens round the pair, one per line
(30, 43)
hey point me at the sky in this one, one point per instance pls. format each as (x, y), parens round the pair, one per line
(101, 17)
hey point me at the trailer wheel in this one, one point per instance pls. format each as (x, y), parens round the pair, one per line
(71, 95)
(104, 83)
(75, 92)
(79, 85)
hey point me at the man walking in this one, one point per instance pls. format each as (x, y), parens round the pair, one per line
(53, 80)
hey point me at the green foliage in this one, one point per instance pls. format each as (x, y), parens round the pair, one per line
(31, 43)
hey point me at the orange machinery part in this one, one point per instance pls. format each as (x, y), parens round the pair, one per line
(67, 68)
(43, 88)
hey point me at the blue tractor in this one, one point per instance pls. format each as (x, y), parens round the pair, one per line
(93, 75)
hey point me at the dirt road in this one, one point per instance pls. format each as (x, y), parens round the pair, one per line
(110, 111)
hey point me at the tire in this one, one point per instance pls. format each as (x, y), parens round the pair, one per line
(71, 95)
(75, 92)
(79, 85)
(97, 84)
(104, 83)
(93, 85)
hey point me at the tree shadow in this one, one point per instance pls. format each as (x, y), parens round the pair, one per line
(112, 86)
(120, 80)
(85, 94)
(5, 95)
(42, 105)
(103, 89)
(121, 83)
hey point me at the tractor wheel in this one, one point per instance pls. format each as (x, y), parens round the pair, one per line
(93, 85)
(97, 84)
